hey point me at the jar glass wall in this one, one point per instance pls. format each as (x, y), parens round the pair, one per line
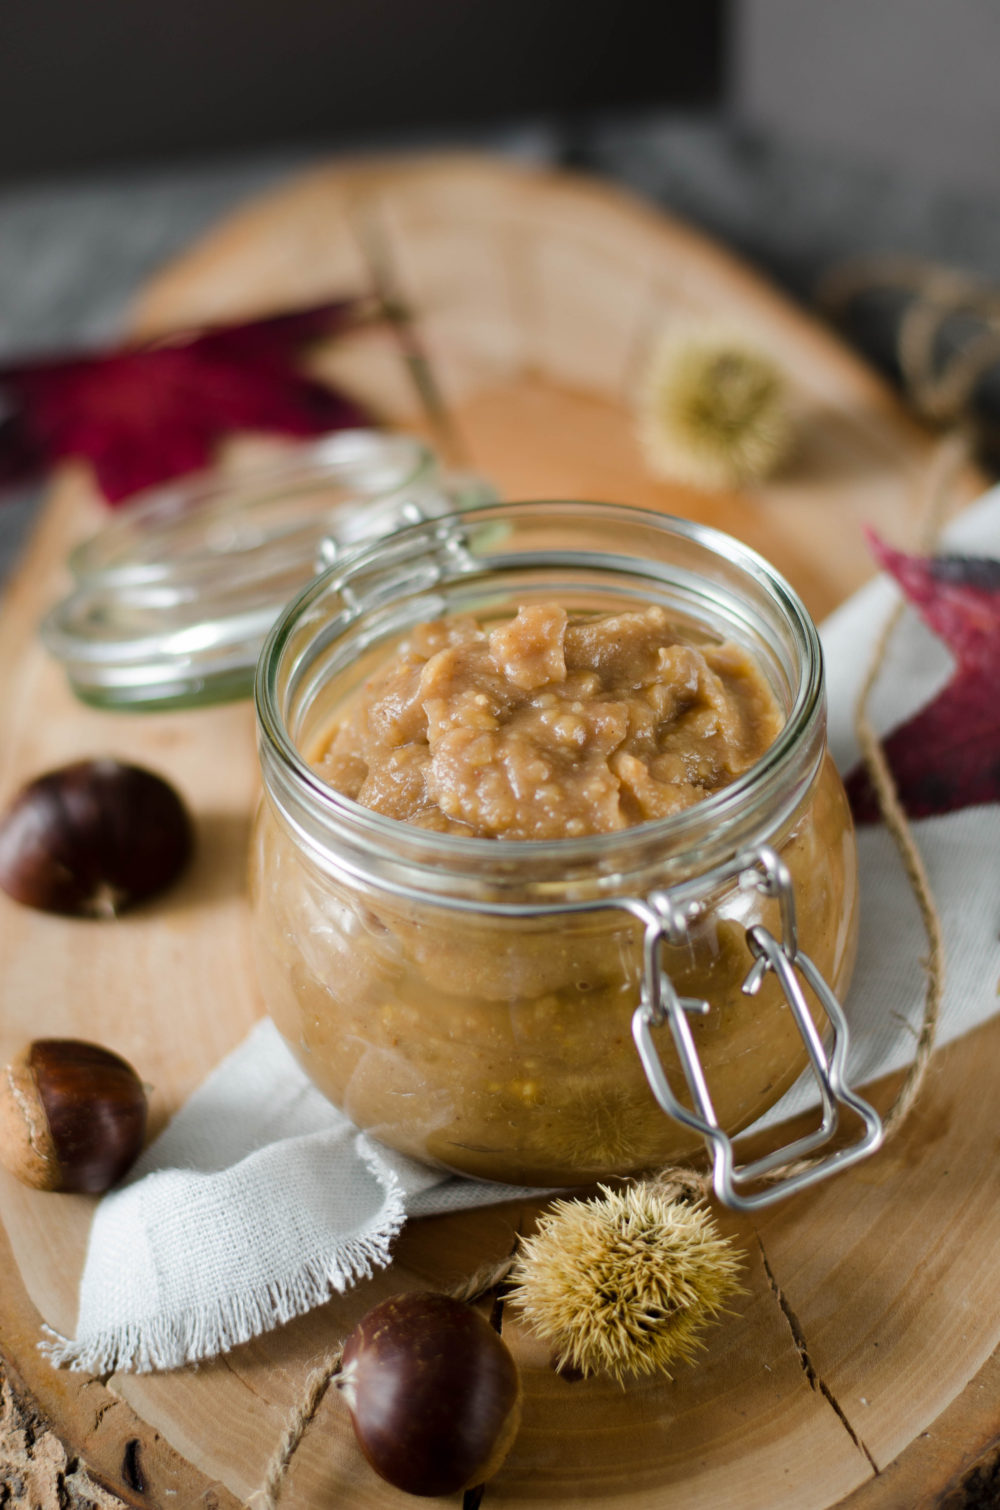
(469, 1001)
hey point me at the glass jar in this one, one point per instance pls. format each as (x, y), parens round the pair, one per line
(551, 1013)
(173, 599)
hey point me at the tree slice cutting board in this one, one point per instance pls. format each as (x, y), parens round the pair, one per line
(854, 1367)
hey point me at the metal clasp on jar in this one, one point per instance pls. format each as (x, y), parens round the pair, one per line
(415, 564)
(667, 916)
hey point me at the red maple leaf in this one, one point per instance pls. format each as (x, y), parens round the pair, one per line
(948, 755)
(144, 414)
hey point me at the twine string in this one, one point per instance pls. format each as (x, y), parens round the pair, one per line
(316, 1385)
(952, 455)
(940, 389)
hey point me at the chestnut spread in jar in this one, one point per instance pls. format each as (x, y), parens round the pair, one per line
(468, 979)
(500, 1045)
(550, 725)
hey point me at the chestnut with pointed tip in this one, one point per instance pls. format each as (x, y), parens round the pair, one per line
(72, 1116)
(433, 1391)
(92, 838)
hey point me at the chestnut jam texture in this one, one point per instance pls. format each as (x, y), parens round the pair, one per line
(500, 1046)
(549, 727)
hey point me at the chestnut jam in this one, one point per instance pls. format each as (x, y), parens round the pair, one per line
(550, 725)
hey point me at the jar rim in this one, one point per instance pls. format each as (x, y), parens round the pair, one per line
(676, 833)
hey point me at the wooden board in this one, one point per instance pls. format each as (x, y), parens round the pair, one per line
(870, 1320)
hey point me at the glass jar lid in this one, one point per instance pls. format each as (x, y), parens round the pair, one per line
(174, 598)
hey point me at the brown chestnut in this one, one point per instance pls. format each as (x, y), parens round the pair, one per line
(72, 1116)
(433, 1391)
(92, 838)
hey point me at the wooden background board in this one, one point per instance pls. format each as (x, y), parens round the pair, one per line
(855, 1367)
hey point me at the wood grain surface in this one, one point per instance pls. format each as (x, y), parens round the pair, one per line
(859, 1366)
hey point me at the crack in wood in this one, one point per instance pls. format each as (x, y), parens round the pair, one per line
(102, 1412)
(816, 1380)
(132, 1472)
(223, 1359)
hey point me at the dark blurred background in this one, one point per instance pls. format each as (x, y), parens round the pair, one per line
(112, 82)
(800, 132)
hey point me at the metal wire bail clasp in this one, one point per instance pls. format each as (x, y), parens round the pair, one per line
(667, 916)
(405, 563)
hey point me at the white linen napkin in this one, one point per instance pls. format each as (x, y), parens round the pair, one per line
(259, 1200)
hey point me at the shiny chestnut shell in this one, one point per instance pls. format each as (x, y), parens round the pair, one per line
(93, 838)
(434, 1393)
(72, 1116)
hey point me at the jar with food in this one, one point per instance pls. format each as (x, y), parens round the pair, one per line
(554, 877)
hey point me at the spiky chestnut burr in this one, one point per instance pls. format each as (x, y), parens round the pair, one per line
(712, 411)
(623, 1284)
